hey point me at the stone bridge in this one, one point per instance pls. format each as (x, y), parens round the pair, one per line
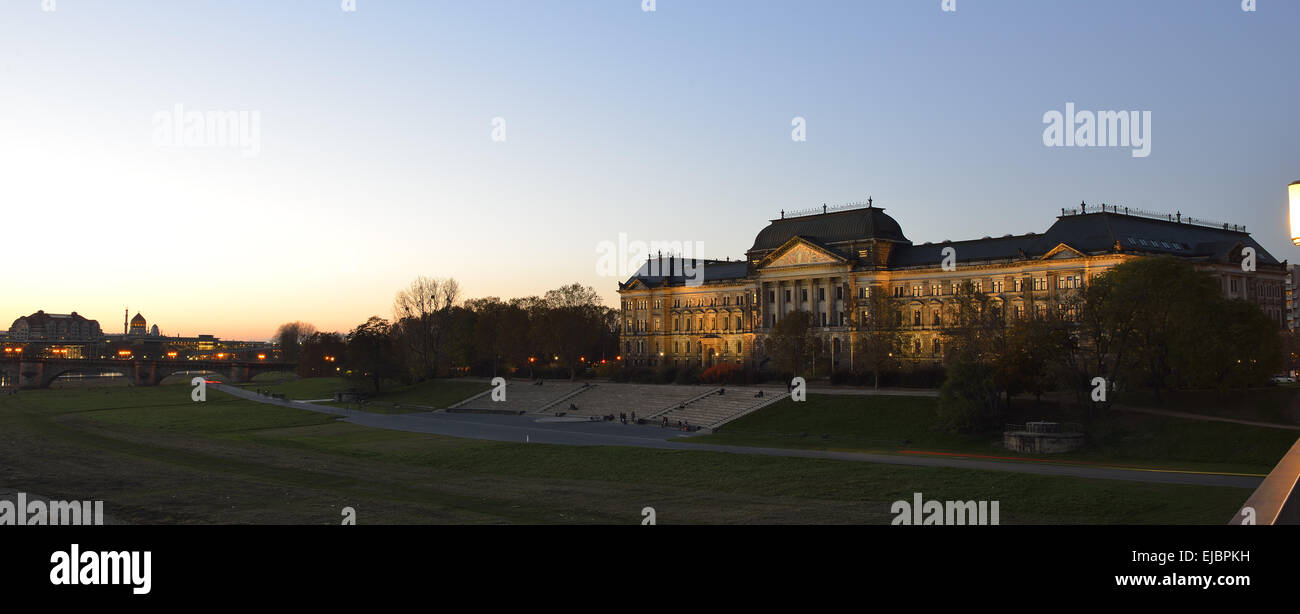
(40, 372)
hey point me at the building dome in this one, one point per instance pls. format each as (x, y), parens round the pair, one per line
(829, 228)
(138, 324)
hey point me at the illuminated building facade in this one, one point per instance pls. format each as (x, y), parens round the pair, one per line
(829, 262)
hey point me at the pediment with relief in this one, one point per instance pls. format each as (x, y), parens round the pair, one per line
(1062, 252)
(797, 253)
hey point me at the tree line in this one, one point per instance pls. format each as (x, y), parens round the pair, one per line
(433, 332)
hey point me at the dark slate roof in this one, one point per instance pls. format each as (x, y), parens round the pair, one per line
(713, 270)
(824, 228)
(1094, 233)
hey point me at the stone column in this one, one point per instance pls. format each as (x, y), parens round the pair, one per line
(830, 298)
(780, 302)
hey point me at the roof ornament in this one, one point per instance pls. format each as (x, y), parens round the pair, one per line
(823, 208)
(1083, 207)
(783, 214)
(868, 202)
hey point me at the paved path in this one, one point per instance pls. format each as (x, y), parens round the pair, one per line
(1182, 414)
(526, 428)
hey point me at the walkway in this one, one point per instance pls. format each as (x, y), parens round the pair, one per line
(528, 429)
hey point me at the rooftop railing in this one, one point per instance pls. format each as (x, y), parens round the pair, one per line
(1176, 217)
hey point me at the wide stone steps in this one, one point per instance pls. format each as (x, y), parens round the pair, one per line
(644, 399)
(715, 408)
(523, 397)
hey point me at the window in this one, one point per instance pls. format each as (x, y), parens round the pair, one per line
(916, 290)
(738, 324)
(979, 285)
(839, 293)
(803, 294)
(936, 290)
(771, 296)
(916, 317)
(938, 319)
(996, 287)
(934, 347)
(787, 296)
(1020, 284)
(823, 318)
(821, 294)
(1040, 283)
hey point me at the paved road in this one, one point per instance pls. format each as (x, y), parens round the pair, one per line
(528, 428)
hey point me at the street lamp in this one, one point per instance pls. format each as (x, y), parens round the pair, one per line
(1294, 190)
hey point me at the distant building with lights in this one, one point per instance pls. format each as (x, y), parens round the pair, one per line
(73, 336)
(41, 326)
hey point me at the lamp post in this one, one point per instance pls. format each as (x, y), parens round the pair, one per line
(1294, 191)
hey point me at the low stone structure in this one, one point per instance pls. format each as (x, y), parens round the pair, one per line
(1043, 437)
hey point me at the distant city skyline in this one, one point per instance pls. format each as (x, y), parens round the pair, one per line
(375, 159)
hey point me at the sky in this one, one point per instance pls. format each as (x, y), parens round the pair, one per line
(500, 143)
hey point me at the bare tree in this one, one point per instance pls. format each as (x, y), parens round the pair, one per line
(420, 312)
(290, 336)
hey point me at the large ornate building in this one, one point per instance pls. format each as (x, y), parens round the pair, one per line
(829, 261)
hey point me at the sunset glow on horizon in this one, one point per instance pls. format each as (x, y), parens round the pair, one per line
(376, 163)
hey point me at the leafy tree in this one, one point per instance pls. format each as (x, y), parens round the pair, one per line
(968, 399)
(323, 354)
(290, 337)
(371, 354)
(568, 323)
(877, 340)
(793, 345)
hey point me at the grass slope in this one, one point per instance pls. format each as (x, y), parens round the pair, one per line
(892, 424)
(156, 457)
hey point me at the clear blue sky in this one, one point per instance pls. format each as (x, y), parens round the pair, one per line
(376, 162)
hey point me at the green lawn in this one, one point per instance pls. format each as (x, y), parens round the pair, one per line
(155, 456)
(892, 424)
(392, 397)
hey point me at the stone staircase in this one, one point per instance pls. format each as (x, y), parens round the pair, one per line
(521, 397)
(644, 399)
(714, 410)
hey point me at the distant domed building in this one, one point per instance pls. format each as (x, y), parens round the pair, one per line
(137, 325)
